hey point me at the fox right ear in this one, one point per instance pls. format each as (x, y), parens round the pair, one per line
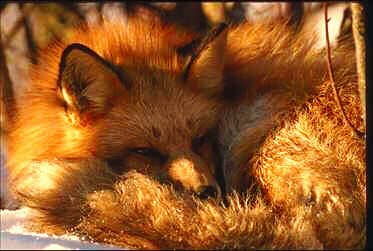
(204, 71)
(86, 83)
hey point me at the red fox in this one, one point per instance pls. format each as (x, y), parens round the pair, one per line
(141, 136)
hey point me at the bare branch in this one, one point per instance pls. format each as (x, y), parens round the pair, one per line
(331, 76)
(6, 92)
(358, 31)
(16, 27)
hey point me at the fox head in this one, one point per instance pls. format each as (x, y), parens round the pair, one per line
(130, 95)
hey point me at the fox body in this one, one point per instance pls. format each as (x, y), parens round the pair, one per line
(130, 134)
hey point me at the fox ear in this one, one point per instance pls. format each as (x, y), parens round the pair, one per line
(204, 71)
(87, 83)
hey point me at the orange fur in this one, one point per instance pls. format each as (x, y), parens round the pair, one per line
(294, 174)
(152, 70)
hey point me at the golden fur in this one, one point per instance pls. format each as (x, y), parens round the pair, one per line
(294, 174)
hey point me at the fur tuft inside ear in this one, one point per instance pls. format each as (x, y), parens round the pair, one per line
(204, 71)
(87, 83)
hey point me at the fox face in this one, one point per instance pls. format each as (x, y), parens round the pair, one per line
(166, 133)
(121, 102)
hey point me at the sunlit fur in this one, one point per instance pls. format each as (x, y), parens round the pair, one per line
(294, 172)
(139, 116)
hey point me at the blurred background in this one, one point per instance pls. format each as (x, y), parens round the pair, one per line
(27, 27)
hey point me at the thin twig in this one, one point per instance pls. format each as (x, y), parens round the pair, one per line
(100, 6)
(331, 76)
(16, 27)
(73, 8)
(2, 7)
(29, 36)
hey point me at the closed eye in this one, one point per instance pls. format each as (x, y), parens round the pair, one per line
(199, 142)
(115, 164)
(149, 153)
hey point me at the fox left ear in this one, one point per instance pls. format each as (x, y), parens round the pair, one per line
(204, 71)
(87, 83)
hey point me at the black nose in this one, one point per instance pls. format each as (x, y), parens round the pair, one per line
(205, 192)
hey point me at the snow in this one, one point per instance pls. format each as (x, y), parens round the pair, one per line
(14, 236)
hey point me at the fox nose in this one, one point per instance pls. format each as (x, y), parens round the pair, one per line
(205, 192)
(192, 173)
